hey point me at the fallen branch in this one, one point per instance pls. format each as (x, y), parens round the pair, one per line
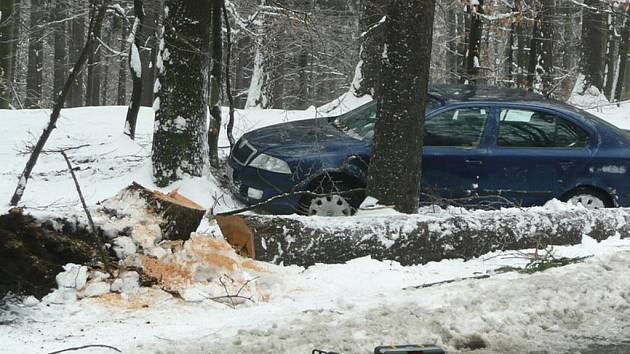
(485, 276)
(85, 347)
(97, 238)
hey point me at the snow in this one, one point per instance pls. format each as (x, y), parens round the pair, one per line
(348, 307)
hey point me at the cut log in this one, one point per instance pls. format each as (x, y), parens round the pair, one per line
(418, 239)
(180, 215)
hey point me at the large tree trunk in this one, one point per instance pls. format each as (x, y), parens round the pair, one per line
(593, 27)
(611, 56)
(473, 52)
(419, 240)
(7, 50)
(394, 172)
(76, 45)
(546, 40)
(35, 72)
(215, 81)
(180, 135)
(59, 76)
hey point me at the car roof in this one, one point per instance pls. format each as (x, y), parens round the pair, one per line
(451, 92)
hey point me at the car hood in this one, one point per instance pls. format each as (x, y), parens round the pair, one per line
(299, 136)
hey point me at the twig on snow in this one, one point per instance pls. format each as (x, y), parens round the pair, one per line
(85, 347)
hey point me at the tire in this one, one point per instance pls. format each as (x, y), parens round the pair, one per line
(336, 202)
(590, 198)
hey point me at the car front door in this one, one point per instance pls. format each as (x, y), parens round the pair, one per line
(534, 154)
(454, 153)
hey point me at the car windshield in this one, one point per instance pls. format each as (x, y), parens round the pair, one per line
(359, 123)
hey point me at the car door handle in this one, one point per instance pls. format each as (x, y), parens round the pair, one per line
(474, 162)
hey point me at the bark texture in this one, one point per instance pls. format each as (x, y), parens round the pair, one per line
(7, 50)
(422, 239)
(180, 143)
(136, 69)
(593, 29)
(35, 72)
(215, 81)
(394, 172)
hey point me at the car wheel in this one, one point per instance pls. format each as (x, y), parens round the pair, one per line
(589, 198)
(329, 203)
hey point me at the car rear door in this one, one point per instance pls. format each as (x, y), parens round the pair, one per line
(535, 154)
(454, 152)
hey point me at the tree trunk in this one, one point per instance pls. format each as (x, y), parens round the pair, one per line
(60, 50)
(180, 134)
(93, 86)
(371, 27)
(150, 39)
(135, 67)
(624, 47)
(593, 25)
(76, 45)
(546, 40)
(215, 81)
(7, 51)
(419, 240)
(521, 55)
(473, 51)
(35, 72)
(121, 97)
(611, 55)
(394, 172)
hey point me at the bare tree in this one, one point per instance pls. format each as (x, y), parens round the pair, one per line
(96, 21)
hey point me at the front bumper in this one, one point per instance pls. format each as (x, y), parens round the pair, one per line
(246, 181)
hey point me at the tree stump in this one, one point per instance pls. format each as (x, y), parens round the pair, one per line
(180, 215)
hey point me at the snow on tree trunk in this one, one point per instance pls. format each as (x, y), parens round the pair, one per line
(257, 94)
(216, 71)
(394, 172)
(135, 67)
(473, 52)
(180, 143)
(371, 25)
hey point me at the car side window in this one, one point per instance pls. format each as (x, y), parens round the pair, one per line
(460, 127)
(530, 128)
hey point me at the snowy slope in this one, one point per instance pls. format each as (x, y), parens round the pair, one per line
(350, 307)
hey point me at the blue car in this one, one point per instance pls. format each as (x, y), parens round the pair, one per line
(481, 147)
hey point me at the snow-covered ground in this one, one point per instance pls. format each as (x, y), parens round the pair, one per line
(349, 308)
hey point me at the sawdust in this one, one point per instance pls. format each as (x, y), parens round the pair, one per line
(171, 276)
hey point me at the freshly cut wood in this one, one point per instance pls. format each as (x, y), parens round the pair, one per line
(180, 215)
(418, 239)
(237, 233)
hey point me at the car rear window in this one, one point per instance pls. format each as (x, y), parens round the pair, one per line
(531, 128)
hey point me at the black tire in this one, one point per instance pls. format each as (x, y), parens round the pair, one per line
(337, 186)
(586, 191)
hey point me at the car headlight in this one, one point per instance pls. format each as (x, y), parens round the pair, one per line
(270, 163)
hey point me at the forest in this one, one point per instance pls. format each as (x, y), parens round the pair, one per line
(325, 176)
